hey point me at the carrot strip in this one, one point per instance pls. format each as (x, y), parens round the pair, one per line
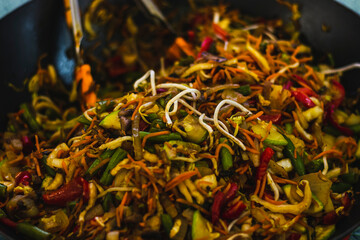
(64, 166)
(172, 79)
(153, 135)
(77, 125)
(178, 179)
(129, 103)
(81, 142)
(252, 150)
(120, 209)
(248, 138)
(218, 148)
(262, 189)
(137, 109)
(184, 46)
(272, 201)
(327, 152)
(257, 188)
(38, 171)
(254, 116)
(183, 201)
(250, 133)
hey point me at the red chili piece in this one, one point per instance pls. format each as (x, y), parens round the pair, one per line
(234, 211)
(287, 85)
(303, 98)
(86, 190)
(294, 236)
(191, 35)
(346, 201)
(264, 161)
(69, 192)
(274, 118)
(205, 45)
(220, 32)
(219, 201)
(27, 144)
(231, 193)
(330, 218)
(23, 178)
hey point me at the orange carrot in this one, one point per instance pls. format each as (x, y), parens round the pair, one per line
(178, 179)
(137, 109)
(184, 46)
(218, 148)
(254, 116)
(327, 152)
(272, 201)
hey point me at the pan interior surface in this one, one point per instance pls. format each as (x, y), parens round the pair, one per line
(39, 27)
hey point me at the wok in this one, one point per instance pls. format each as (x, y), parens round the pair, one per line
(39, 27)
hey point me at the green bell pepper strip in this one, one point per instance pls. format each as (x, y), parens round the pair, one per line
(106, 202)
(161, 138)
(315, 165)
(108, 153)
(106, 179)
(340, 187)
(25, 229)
(48, 169)
(297, 162)
(225, 156)
(244, 90)
(350, 178)
(152, 117)
(82, 119)
(288, 128)
(30, 118)
(167, 222)
(3, 191)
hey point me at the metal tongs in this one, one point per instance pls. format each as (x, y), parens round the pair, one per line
(83, 75)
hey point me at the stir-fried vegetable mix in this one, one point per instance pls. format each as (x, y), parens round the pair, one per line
(244, 136)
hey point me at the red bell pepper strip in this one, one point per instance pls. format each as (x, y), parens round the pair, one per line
(234, 211)
(69, 192)
(264, 162)
(274, 118)
(340, 90)
(335, 103)
(205, 46)
(221, 33)
(309, 92)
(23, 178)
(218, 204)
(287, 85)
(303, 98)
(330, 117)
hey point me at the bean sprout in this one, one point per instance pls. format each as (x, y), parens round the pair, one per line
(150, 73)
